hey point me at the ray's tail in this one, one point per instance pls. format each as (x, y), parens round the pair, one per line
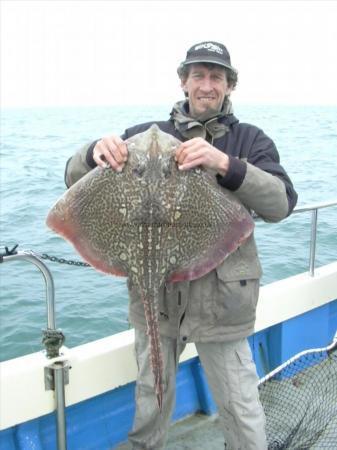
(156, 357)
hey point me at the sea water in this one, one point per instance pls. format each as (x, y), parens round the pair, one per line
(35, 145)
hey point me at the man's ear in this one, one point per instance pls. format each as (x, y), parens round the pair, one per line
(184, 88)
(183, 85)
(229, 91)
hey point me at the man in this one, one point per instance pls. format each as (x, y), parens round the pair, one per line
(217, 311)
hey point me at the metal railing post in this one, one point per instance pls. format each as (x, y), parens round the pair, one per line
(50, 290)
(59, 381)
(314, 215)
(52, 339)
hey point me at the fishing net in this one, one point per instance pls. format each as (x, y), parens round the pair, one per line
(300, 401)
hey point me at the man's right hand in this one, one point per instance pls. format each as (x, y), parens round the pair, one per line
(111, 150)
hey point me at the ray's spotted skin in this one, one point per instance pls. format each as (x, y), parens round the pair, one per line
(152, 223)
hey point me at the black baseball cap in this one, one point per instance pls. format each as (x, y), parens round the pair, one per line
(209, 52)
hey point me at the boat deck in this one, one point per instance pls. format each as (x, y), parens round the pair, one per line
(196, 432)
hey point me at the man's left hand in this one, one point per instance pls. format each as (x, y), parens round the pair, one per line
(198, 152)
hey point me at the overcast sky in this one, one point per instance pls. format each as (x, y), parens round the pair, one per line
(58, 53)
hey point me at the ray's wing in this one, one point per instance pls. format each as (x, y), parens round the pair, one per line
(212, 225)
(92, 215)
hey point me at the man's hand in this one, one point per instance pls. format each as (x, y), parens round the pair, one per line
(111, 150)
(198, 152)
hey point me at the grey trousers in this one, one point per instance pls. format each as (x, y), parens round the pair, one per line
(232, 377)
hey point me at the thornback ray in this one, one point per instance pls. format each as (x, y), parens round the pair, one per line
(151, 223)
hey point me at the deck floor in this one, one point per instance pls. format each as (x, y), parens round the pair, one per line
(197, 432)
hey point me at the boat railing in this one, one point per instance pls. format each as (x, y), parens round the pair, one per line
(56, 374)
(29, 256)
(313, 232)
(313, 236)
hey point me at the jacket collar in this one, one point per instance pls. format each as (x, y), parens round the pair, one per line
(209, 128)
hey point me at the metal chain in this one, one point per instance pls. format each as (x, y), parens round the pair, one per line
(63, 261)
(70, 262)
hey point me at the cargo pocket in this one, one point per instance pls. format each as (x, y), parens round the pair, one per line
(248, 380)
(236, 301)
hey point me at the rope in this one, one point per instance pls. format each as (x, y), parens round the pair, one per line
(8, 252)
(53, 341)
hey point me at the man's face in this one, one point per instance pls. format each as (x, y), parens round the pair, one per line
(206, 89)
